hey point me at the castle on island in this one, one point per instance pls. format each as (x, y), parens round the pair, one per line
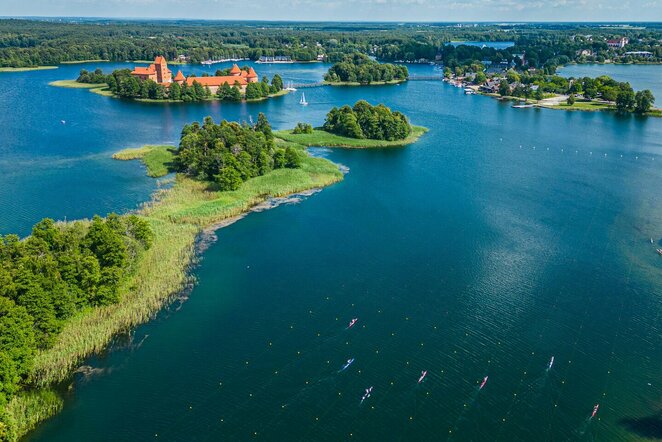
(159, 73)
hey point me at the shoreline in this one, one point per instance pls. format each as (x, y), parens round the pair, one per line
(28, 69)
(103, 90)
(179, 216)
(321, 138)
(579, 106)
(356, 83)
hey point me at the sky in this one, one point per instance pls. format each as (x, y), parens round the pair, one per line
(347, 10)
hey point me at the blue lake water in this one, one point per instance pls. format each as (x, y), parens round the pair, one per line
(502, 238)
(641, 76)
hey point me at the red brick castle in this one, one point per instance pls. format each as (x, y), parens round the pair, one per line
(159, 72)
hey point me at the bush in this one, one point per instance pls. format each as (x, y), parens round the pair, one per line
(303, 128)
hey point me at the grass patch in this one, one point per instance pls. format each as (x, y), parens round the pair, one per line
(583, 106)
(97, 88)
(35, 68)
(322, 138)
(157, 159)
(83, 61)
(73, 84)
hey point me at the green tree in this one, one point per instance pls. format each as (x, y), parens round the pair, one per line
(504, 88)
(175, 91)
(643, 101)
(263, 126)
(228, 178)
(480, 78)
(625, 101)
(277, 83)
(571, 100)
(17, 347)
(292, 158)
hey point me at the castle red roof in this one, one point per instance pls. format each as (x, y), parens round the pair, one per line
(235, 70)
(179, 76)
(159, 59)
(144, 71)
(251, 73)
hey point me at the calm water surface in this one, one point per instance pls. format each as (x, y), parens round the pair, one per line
(502, 238)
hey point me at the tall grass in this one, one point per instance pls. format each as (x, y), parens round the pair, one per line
(177, 216)
(28, 408)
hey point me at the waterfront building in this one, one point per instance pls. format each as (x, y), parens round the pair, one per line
(618, 43)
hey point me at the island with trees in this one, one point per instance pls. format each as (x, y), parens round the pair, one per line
(67, 289)
(359, 69)
(122, 84)
(360, 126)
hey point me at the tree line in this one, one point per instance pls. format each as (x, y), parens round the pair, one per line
(230, 153)
(59, 270)
(40, 42)
(359, 68)
(367, 121)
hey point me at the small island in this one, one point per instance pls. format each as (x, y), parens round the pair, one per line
(361, 70)
(361, 126)
(156, 83)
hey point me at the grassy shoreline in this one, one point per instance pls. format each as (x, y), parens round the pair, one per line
(322, 138)
(177, 216)
(34, 68)
(102, 89)
(579, 105)
(356, 83)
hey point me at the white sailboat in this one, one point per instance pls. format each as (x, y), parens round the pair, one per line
(303, 101)
(290, 87)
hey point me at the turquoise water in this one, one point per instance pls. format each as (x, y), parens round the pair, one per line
(641, 76)
(502, 238)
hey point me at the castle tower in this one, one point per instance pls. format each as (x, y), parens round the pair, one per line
(179, 78)
(252, 76)
(163, 74)
(235, 71)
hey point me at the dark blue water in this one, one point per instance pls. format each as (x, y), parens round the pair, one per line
(501, 238)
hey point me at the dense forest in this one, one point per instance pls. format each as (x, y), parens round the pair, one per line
(56, 272)
(367, 121)
(41, 42)
(230, 153)
(359, 68)
(122, 84)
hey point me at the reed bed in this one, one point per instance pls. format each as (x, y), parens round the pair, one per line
(29, 408)
(160, 274)
(177, 215)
